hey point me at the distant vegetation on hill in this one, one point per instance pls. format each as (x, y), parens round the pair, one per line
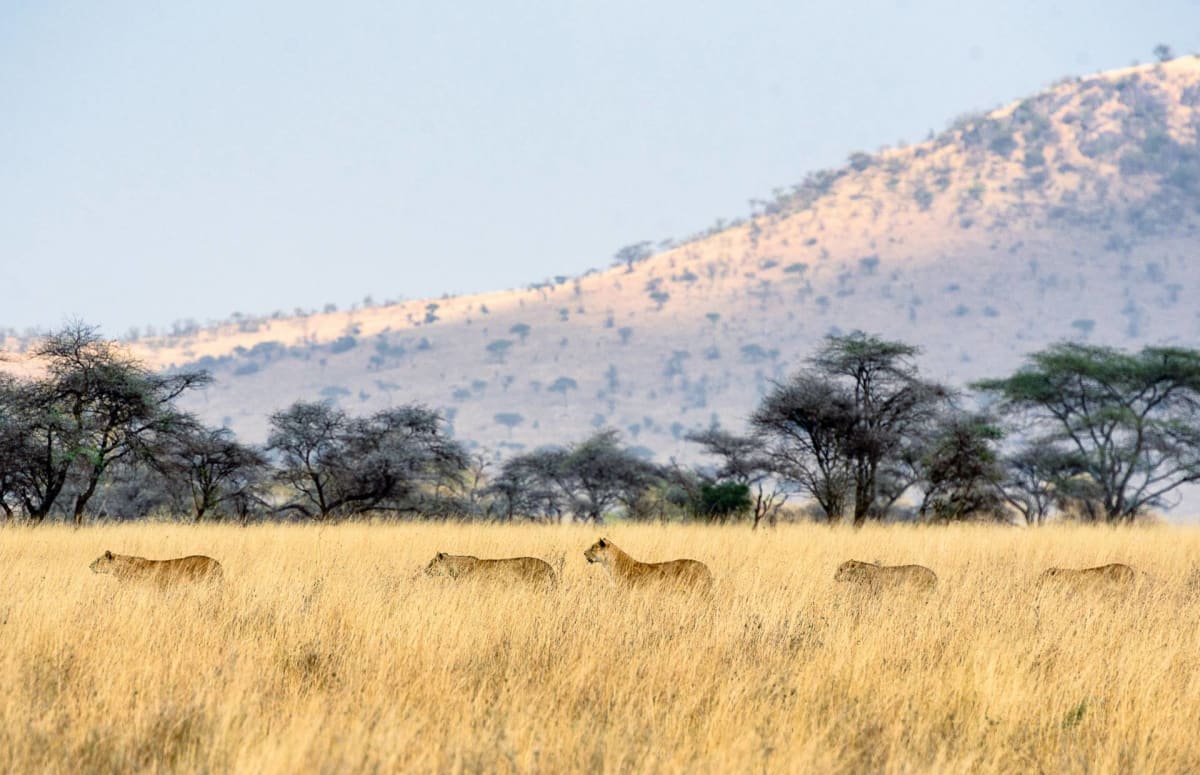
(1070, 215)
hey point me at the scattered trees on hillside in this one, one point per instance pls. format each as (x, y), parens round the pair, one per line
(509, 420)
(633, 254)
(563, 385)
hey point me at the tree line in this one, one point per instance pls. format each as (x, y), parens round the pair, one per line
(1083, 431)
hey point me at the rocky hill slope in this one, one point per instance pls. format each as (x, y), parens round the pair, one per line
(1074, 214)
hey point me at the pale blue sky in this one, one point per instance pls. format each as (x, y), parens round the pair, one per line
(161, 161)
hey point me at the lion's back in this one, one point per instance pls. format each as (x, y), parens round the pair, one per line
(1118, 572)
(887, 575)
(1115, 572)
(917, 575)
(529, 569)
(682, 572)
(196, 567)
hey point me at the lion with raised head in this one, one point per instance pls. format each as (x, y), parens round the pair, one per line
(197, 567)
(518, 569)
(628, 572)
(1113, 573)
(876, 575)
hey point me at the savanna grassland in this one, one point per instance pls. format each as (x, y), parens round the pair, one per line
(324, 651)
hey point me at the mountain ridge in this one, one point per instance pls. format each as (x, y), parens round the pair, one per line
(1074, 213)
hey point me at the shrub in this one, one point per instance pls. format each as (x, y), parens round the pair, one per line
(720, 501)
(343, 344)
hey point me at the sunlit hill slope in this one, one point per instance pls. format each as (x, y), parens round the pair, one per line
(1071, 214)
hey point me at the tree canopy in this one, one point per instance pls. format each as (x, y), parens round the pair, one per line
(1131, 421)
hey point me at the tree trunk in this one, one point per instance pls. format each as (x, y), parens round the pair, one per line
(81, 500)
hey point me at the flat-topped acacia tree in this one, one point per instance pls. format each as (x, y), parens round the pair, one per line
(1130, 422)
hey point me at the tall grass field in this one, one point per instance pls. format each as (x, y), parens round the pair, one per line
(325, 650)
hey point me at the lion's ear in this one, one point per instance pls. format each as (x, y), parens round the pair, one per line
(441, 555)
(603, 542)
(108, 555)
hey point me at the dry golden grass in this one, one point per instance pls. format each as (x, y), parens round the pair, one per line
(322, 653)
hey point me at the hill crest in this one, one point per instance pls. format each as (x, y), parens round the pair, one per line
(1069, 214)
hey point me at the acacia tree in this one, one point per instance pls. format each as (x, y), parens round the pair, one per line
(399, 459)
(533, 485)
(633, 254)
(219, 471)
(807, 423)
(892, 406)
(94, 406)
(960, 470)
(307, 438)
(12, 450)
(585, 480)
(602, 474)
(837, 429)
(402, 459)
(1133, 419)
(1036, 478)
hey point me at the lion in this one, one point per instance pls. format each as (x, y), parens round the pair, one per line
(461, 566)
(1113, 573)
(628, 572)
(875, 575)
(197, 567)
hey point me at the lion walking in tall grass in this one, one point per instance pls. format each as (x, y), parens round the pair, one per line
(628, 572)
(164, 573)
(875, 575)
(1114, 574)
(513, 569)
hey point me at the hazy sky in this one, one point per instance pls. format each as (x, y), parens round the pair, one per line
(161, 161)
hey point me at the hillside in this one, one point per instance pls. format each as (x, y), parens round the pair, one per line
(1074, 213)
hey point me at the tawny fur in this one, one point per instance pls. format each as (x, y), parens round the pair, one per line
(874, 574)
(456, 566)
(628, 572)
(1113, 573)
(197, 567)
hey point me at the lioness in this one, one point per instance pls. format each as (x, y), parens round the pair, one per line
(459, 566)
(163, 572)
(628, 572)
(1113, 573)
(874, 574)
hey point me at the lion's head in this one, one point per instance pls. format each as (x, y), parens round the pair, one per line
(438, 566)
(103, 563)
(599, 551)
(853, 570)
